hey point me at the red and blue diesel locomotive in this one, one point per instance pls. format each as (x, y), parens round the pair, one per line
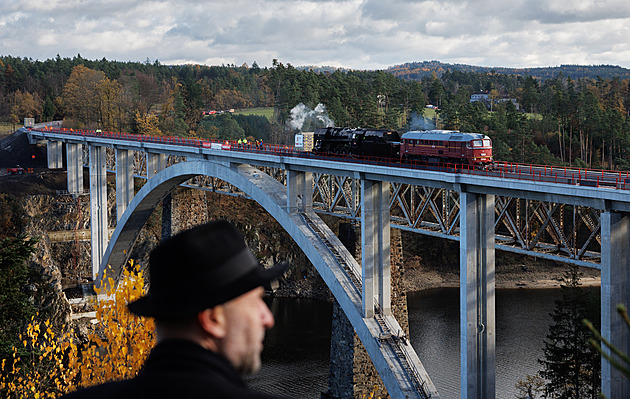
(431, 146)
(440, 146)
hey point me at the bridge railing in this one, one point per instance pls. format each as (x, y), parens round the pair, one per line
(508, 170)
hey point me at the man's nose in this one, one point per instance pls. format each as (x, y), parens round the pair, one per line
(267, 316)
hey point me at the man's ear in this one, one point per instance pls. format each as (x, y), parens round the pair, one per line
(212, 321)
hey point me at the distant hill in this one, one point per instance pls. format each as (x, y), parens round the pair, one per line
(419, 70)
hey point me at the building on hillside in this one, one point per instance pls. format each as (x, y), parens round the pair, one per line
(482, 96)
(488, 101)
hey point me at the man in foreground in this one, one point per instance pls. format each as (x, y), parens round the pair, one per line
(206, 295)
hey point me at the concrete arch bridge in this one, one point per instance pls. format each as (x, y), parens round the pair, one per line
(575, 223)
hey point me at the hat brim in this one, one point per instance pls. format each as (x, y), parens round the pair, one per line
(196, 302)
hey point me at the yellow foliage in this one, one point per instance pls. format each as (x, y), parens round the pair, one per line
(55, 365)
(148, 124)
(372, 393)
(80, 94)
(26, 105)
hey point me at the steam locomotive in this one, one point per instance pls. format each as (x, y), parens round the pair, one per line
(364, 142)
(431, 146)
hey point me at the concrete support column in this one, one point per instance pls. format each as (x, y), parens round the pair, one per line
(155, 163)
(124, 180)
(54, 151)
(182, 209)
(74, 155)
(299, 191)
(477, 296)
(98, 206)
(375, 247)
(307, 191)
(615, 289)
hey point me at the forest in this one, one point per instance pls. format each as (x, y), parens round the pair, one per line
(569, 118)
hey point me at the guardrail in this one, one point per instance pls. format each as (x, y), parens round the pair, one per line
(541, 173)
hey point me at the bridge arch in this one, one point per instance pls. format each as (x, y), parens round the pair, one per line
(272, 196)
(269, 193)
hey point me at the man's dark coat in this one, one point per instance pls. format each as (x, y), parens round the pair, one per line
(177, 369)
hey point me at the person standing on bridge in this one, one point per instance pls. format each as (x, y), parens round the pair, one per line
(206, 295)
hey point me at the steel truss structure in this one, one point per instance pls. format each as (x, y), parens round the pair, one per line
(566, 233)
(561, 232)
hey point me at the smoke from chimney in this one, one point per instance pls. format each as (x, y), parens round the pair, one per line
(304, 118)
(419, 122)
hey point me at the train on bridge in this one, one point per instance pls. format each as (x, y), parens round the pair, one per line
(443, 150)
(430, 146)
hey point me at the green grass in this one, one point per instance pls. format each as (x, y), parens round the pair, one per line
(266, 112)
(537, 117)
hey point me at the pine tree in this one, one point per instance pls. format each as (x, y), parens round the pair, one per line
(571, 366)
(16, 279)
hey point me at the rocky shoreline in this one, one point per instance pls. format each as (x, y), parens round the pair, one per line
(545, 280)
(545, 275)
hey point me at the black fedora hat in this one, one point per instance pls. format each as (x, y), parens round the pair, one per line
(201, 268)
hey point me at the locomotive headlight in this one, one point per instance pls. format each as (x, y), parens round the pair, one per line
(483, 154)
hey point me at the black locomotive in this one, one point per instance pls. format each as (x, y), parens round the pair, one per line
(357, 141)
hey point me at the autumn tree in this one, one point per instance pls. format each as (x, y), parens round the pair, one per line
(46, 364)
(25, 105)
(149, 92)
(109, 112)
(148, 124)
(80, 95)
(123, 340)
(531, 387)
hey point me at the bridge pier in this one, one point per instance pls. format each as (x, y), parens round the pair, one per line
(74, 155)
(477, 296)
(182, 209)
(299, 191)
(54, 152)
(352, 373)
(98, 206)
(375, 247)
(124, 180)
(155, 163)
(615, 283)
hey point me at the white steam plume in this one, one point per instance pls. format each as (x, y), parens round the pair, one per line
(304, 117)
(419, 122)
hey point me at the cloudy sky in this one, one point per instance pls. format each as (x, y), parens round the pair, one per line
(361, 34)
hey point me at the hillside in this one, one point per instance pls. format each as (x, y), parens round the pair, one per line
(419, 70)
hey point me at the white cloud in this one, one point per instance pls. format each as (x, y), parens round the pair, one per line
(350, 33)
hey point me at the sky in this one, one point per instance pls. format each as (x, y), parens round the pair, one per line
(356, 34)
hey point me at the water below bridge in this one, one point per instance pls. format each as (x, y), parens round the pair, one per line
(295, 359)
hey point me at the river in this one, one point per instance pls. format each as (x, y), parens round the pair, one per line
(295, 359)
